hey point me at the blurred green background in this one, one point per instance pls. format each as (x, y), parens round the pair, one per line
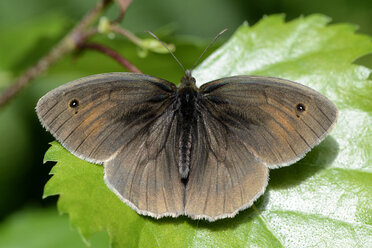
(28, 29)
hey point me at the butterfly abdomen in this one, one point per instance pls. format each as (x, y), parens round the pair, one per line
(184, 154)
(186, 116)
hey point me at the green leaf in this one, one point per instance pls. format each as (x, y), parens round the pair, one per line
(42, 228)
(324, 200)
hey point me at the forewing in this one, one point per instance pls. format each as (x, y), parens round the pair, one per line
(278, 121)
(95, 116)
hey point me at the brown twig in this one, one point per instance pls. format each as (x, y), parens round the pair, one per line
(119, 18)
(111, 53)
(127, 34)
(124, 4)
(77, 36)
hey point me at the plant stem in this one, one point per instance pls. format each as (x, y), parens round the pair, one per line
(127, 34)
(111, 53)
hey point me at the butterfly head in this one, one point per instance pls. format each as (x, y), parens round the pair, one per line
(188, 80)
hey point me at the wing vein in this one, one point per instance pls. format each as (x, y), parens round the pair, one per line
(285, 129)
(91, 123)
(291, 118)
(44, 114)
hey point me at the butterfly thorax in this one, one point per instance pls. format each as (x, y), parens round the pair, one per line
(187, 97)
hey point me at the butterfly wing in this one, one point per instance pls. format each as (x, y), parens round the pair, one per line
(144, 173)
(94, 116)
(225, 176)
(125, 121)
(279, 120)
(247, 124)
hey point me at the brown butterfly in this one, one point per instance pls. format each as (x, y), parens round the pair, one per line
(201, 152)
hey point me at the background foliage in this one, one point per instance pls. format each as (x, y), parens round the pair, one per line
(30, 28)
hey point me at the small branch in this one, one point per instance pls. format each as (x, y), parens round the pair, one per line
(111, 53)
(119, 18)
(92, 16)
(126, 33)
(66, 45)
(124, 4)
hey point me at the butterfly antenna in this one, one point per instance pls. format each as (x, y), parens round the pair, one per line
(166, 47)
(210, 44)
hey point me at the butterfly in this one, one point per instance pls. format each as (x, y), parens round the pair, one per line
(202, 152)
